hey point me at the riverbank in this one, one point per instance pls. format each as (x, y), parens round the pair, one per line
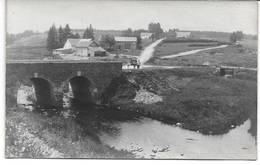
(195, 99)
(51, 134)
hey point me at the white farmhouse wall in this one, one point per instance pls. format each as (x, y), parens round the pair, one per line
(82, 52)
(183, 34)
(67, 45)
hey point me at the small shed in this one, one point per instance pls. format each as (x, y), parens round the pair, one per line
(62, 51)
(223, 71)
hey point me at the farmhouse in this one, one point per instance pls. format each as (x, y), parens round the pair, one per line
(146, 35)
(89, 49)
(183, 34)
(71, 44)
(81, 47)
(126, 42)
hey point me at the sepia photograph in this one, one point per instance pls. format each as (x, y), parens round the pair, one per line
(110, 79)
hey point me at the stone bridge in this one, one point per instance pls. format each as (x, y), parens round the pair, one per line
(51, 79)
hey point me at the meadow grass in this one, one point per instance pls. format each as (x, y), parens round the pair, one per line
(174, 48)
(230, 56)
(26, 53)
(34, 135)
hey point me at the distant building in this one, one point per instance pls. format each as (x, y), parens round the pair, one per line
(126, 42)
(71, 44)
(81, 47)
(89, 49)
(146, 35)
(183, 34)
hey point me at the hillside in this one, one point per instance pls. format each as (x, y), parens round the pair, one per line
(36, 40)
(28, 48)
(39, 40)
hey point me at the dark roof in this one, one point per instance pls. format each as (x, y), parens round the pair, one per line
(84, 44)
(97, 49)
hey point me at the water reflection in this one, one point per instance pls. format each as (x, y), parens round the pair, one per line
(160, 141)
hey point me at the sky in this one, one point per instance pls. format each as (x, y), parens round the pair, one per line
(39, 15)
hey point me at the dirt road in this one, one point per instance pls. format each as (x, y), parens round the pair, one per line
(148, 52)
(191, 52)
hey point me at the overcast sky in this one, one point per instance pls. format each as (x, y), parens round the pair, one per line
(204, 16)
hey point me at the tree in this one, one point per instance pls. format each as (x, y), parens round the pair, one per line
(156, 29)
(139, 42)
(107, 42)
(62, 38)
(138, 32)
(239, 35)
(127, 33)
(52, 40)
(89, 33)
(10, 38)
(67, 31)
(233, 37)
(77, 36)
(85, 33)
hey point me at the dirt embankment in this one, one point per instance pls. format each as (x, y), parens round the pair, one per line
(196, 99)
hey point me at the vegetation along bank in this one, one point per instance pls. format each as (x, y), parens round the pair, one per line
(195, 99)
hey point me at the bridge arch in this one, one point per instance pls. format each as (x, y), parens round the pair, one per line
(82, 89)
(44, 92)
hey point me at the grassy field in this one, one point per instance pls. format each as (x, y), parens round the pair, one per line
(197, 98)
(36, 40)
(231, 55)
(41, 135)
(28, 48)
(26, 53)
(174, 48)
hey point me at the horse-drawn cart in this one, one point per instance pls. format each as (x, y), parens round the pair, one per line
(134, 62)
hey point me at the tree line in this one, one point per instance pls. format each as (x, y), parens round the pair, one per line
(236, 36)
(239, 35)
(156, 29)
(58, 37)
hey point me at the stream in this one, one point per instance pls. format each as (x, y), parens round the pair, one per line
(151, 139)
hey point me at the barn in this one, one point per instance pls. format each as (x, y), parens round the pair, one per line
(126, 42)
(89, 49)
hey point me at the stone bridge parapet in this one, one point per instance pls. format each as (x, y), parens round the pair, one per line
(96, 75)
